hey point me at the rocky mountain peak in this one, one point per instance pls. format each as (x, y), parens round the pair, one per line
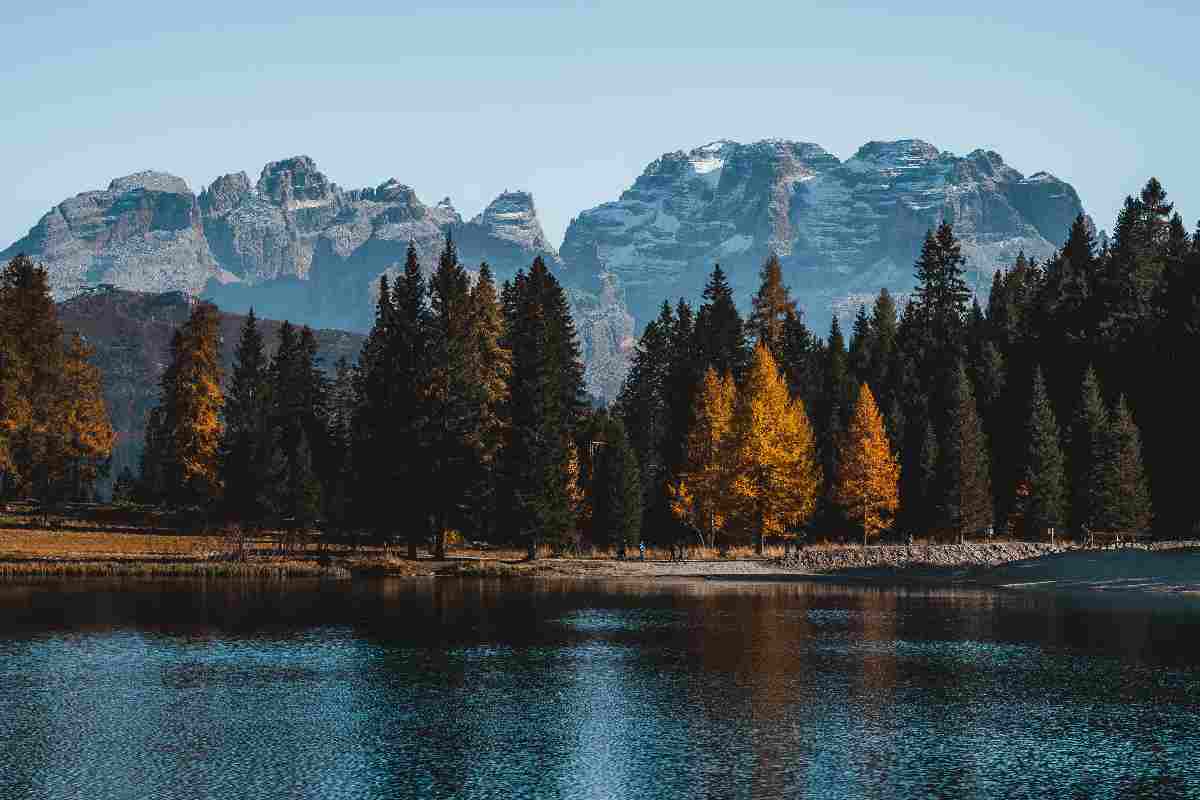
(512, 217)
(902, 154)
(393, 191)
(225, 193)
(842, 229)
(150, 181)
(295, 181)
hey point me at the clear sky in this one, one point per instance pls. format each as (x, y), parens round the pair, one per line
(571, 101)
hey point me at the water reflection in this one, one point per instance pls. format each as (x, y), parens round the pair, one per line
(581, 689)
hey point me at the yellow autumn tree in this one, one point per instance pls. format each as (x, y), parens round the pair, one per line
(183, 435)
(54, 429)
(85, 434)
(700, 496)
(868, 476)
(777, 476)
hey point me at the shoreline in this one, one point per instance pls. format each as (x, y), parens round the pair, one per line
(1164, 568)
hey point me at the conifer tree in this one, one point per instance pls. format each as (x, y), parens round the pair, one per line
(964, 475)
(720, 332)
(545, 401)
(618, 491)
(867, 486)
(1087, 454)
(343, 400)
(701, 496)
(55, 435)
(455, 401)
(861, 351)
(189, 427)
(777, 475)
(644, 404)
(1043, 495)
(802, 362)
(836, 392)
(371, 424)
(246, 415)
(1124, 494)
(884, 331)
(487, 376)
(83, 435)
(940, 307)
(682, 383)
(771, 307)
(925, 495)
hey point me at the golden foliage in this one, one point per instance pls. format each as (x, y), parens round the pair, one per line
(701, 494)
(192, 402)
(777, 477)
(868, 474)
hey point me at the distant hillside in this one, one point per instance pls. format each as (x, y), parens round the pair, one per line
(131, 332)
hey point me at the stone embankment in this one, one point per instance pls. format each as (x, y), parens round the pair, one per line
(822, 559)
(941, 556)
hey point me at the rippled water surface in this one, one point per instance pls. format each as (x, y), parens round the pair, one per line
(472, 689)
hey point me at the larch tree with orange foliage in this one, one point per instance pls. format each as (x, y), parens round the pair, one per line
(701, 495)
(85, 434)
(55, 433)
(183, 438)
(777, 474)
(868, 476)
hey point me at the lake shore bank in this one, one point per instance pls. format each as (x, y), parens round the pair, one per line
(1165, 567)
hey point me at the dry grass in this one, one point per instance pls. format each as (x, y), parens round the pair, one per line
(257, 570)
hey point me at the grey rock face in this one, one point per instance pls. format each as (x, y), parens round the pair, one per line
(293, 243)
(142, 232)
(508, 235)
(606, 339)
(842, 229)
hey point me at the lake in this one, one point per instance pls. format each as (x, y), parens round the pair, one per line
(687, 689)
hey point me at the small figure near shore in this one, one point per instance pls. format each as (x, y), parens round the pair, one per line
(642, 550)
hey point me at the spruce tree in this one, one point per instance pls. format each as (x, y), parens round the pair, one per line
(964, 482)
(683, 378)
(618, 505)
(836, 389)
(1124, 491)
(374, 439)
(926, 497)
(940, 306)
(860, 354)
(1086, 454)
(545, 401)
(1043, 500)
(720, 332)
(884, 329)
(455, 398)
(246, 408)
(802, 362)
(644, 404)
(343, 400)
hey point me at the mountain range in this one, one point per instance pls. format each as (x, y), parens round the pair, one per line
(295, 245)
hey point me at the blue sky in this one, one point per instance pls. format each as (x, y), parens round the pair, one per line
(571, 101)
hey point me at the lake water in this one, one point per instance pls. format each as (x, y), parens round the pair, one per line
(479, 689)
